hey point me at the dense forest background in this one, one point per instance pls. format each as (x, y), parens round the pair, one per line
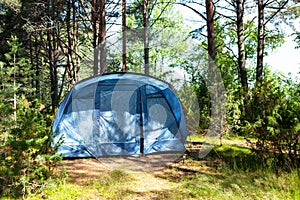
(49, 45)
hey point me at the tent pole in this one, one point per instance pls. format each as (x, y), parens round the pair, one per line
(141, 124)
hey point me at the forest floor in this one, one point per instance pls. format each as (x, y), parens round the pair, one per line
(228, 172)
(82, 171)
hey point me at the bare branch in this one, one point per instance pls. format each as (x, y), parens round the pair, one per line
(227, 17)
(277, 11)
(230, 3)
(193, 9)
(268, 3)
(235, 56)
(226, 8)
(160, 14)
(246, 27)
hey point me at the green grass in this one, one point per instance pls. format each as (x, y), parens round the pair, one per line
(105, 186)
(240, 185)
(188, 185)
(228, 172)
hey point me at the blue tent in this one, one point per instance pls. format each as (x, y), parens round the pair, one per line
(120, 114)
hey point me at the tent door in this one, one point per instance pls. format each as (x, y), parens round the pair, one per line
(118, 120)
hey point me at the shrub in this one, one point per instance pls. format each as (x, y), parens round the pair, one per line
(273, 118)
(27, 159)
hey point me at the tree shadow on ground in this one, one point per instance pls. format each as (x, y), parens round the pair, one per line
(221, 159)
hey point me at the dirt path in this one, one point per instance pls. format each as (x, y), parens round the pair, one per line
(84, 171)
(148, 177)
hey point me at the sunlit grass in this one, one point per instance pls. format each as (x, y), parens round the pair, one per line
(240, 185)
(231, 185)
(105, 186)
(228, 172)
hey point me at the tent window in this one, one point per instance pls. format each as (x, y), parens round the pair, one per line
(160, 113)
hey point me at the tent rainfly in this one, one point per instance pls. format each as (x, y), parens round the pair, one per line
(119, 114)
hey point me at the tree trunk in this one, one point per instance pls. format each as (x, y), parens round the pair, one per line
(75, 46)
(99, 38)
(73, 62)
(69, 47)
(260, 41)
(37, 64)
(51, 44)
(95, 18)
(15, 89)
(32, 37)
(210, 30)
(102, 41)
(124, 36)
(241, 45)
(146, 37)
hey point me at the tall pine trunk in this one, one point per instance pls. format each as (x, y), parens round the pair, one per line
(146, 37)
(123, 35)
(210, 30)
(15, 87)
(102, 37)
(73, 61)
(99, 35)
(52, 61)
(260, 41)
(75, 46)
(69, 53)
(241, 45)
